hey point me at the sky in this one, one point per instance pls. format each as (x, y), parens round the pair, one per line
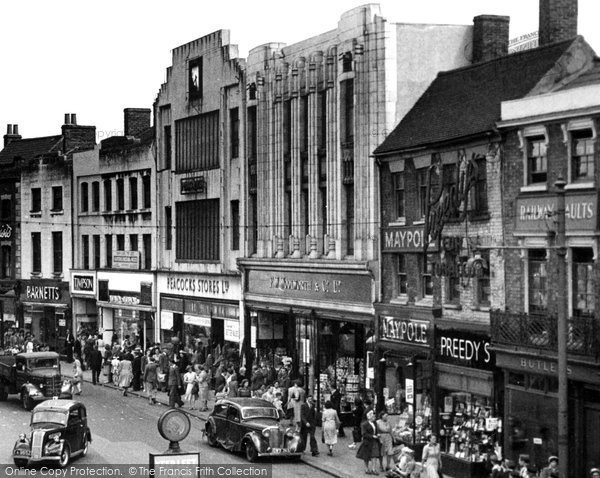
(97, 58)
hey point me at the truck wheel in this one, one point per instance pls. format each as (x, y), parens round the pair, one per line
(3, 393)
(27, 401)
(20, 462)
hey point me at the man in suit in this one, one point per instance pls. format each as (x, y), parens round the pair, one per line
(175, 383)
(95, 364)
(308, 425)
(137, 370)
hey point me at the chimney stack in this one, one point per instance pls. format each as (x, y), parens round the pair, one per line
(12, 133)
(558, 21)
(490, 37)
(75, 136)
(137, 120)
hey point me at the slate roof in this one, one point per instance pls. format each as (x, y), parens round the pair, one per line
(27, 149)
(465, 102)
(590, 77)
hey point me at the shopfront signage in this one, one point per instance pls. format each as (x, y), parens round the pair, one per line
(5, 231)
(126, 260)
(45, 291)
(166, 320)
(197, 321)
(538, 214)
(195, 185)
(460, 347)
(83, 284)
(403, 239)
(123, 297)
(227, 287)
(409, 331)
(311, 286)
(409, 386)
(547, 366)
(232, 330)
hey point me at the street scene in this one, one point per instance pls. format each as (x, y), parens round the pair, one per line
(370, 250)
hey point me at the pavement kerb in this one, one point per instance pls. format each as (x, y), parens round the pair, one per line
(313, 464)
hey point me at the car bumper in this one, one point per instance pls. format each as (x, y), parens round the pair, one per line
(283, 453)
(41, 398)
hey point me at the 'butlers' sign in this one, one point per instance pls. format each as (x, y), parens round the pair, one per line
(395, 329)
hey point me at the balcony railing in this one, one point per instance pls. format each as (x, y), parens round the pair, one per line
(540, 332)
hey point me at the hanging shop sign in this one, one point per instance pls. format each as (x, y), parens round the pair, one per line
(45, 291)
(231, 330)
(461, 347)
(408, 331)
(124, 297)
(538, 214)
(194, 185)
(5, 231)
(448, 201)
(311, 286)
(126, 260)
(166, 319)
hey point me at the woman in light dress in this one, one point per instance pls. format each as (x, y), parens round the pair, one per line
(331, 423)
(386, 443)
(125, 373)
(188, 379)
(203, 389)
(77, 376)
(432, 461)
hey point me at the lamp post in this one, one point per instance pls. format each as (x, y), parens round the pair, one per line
(562, 331)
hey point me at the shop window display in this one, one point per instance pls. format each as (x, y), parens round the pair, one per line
(469, 428)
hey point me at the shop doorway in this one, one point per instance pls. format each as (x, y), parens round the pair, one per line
(591, 418)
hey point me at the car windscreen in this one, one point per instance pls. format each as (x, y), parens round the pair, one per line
(43, 363)
(49, 416)
(259, 412)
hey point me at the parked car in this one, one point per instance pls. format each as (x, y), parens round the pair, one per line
(252, 426)
(59, 431)
(34, 376)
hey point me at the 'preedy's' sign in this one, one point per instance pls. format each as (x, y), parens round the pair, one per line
(460, 347)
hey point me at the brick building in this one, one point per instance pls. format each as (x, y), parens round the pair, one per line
(44, 302)
(199, 121)
(113, 279)
(444, 232)
(548, 137)
(315, 112)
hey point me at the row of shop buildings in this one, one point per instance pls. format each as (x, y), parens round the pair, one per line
(340, 206)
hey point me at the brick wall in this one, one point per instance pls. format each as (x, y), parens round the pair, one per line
(558, 20)
(136, 120)
(490, 37)
(78, 137)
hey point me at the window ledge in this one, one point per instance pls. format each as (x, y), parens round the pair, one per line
(36, 275)
(426, 302)
(35, 213)
(401, 300)
(532, 188)
(418, 223)
(482, 308)
(453, 306)
(56, 212)
(57, 275)
(581, 185)
(401, 221)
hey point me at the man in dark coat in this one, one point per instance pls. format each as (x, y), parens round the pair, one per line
(336, 402)
(69, 343)
(136, 366)
(174, 383)
(95, 358)
(258, 378)
(308, 425)
(163, 367)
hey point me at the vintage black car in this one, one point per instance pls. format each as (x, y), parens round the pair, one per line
(252, 426)
(59, 431)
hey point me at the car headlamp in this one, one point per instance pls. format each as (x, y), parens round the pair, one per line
(266, 433)
(22, 437)
(56, 438)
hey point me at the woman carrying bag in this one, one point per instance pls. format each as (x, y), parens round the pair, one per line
(368, 451)
(331, 423)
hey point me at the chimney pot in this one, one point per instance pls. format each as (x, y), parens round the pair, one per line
(9, 129)
(558, 21)
(67, 118)
(15, 129)
(73, 119)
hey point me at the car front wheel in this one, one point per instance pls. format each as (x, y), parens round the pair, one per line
(85, 447)
(211, 437)
(251, 453)
(20, 462)
(65, 457)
